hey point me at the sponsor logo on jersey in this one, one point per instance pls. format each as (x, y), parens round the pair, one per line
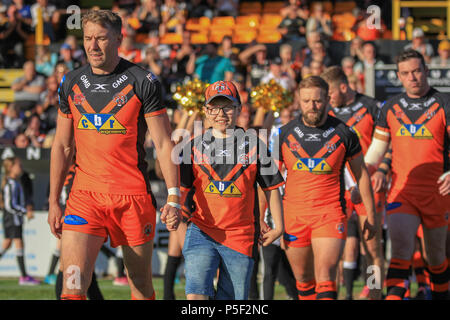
(418, 131)
(430, 114)
(393, 205)
(223, 188)
(85, 81)
(74, 220)
(357, 106)
(313, 137)
(78, 99)
(328, 132)
(345, 110)
(299, 132)
(415, 106)
(289, 237)
(313, 165)
(100, 87)
(120, 99)
(119, 81)
(151, 77)
(429, 102)
(104, 123)
(340, 227)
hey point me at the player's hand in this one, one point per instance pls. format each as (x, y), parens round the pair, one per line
(444, 182)
(271, 236)
(30, 215)
(369, 230)
(378, 181)
(171, 217)
(54, 220)
(355, 197)
(264, 228)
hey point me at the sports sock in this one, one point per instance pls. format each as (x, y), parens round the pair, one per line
(169, 276)
(54, 262)
(326, 290)
(439, 276)
(306, 290)
(94, 292)
(397, 279)
(58, 285)
(107, 252)
(120, 267)
(419, 269)
(349, 272)
(21, 262)
(73, 297)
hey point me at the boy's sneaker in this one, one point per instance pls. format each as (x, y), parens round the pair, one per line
(28, 281)
(120, 281)
(50, 279)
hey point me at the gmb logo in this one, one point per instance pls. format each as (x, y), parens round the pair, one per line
(102, 122)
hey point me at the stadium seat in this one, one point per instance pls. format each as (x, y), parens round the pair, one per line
(7, 77)
(268, 36)
(216, 34)
(199, 38)
(198, 24)
(171, 38)
(251, 21)
(6, 95)
(224, 22)
(242, 36)
(271, 19)
(273, 7)
(142, 38)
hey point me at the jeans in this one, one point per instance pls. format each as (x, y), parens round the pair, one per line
(203, 256)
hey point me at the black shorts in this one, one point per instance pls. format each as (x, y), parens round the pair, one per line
(352, 227)
(12, 226)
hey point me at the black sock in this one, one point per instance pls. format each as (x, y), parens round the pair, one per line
(120, 267)
(21, 262)
(53, 264)
(58, 285)
(107, 252)
(169, 276)
(349, 278)
(94, 292)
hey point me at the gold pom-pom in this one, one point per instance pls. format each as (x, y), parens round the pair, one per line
(191, 95)
(271, 96)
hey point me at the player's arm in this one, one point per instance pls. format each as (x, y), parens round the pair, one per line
(61, 158)
(362, 178)
(274, 202)
(160, 132)
(377, 149)
(379, 176)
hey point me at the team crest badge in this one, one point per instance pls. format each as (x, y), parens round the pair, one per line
(294, 146)
(220, 87)
(244, 159)
(399, 114)
(340, 227)
(79, 98)
(148, 229)
(330, 147)
(120, 99)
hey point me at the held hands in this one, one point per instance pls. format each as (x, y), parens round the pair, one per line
(355, 197)
(171, 217)
(268, 235)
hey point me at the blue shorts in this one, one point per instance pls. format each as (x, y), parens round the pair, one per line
(203, 256)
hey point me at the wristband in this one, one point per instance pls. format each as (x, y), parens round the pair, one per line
(174, 191)
(382, 171)
(174, 204)
(442, 177)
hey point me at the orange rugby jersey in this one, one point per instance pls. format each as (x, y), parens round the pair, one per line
(108, 113)
(419, 134)
(314, 158)
(225, 174)
(360, 115)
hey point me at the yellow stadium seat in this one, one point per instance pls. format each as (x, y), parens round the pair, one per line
(226, 21)
(199, 38)
(271, 19)
(268, 36)
(216, 35)
(7, 76)
(273, 6)
(251, 21)
(6, 95)
(241, 36)
(171, 38)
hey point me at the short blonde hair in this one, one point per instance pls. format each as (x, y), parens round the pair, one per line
(105, 18)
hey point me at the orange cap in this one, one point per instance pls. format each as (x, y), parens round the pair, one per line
(225, 89)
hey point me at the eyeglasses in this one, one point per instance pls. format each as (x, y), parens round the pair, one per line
(216, 110)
